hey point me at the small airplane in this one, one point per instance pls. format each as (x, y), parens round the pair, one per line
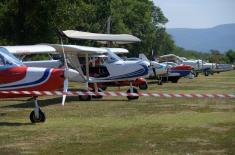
(177, 71)
(138, 82)
(169, 71)
(157, 70)
(112, 68)
(199, 66)
(15, 76)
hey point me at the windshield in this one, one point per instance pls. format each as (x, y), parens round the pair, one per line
(112, 57)
(7, 59)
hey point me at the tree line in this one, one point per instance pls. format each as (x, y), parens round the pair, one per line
(36, 21)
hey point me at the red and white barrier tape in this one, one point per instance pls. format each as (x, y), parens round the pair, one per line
(81, 93)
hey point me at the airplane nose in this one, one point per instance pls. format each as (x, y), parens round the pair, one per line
(75, 76)
(146, 66)
(72, 73)
(145, 63)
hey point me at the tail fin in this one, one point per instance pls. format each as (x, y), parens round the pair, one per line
(143, 57)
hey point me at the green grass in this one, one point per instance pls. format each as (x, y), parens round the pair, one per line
(118, 126)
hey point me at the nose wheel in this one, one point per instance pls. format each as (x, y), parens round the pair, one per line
(37, 119)
(132, 90)
(84, 97)
(97, 96)
(37, 115)
(143, 86)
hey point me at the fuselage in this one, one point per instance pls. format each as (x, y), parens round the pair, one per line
(14, 76)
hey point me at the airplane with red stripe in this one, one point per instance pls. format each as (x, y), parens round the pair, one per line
(14, 76)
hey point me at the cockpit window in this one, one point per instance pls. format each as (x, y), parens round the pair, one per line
(7, 59)
(112, 57)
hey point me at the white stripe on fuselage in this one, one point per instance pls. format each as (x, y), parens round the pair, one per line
(32, 74)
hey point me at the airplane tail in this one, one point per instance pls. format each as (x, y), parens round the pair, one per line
(143, 57)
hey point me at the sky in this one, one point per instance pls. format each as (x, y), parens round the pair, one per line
(197, 13)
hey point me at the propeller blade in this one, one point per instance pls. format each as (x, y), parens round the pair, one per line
(65, 90)
(66, 74)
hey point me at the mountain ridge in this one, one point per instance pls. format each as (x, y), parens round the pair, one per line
(221, 37)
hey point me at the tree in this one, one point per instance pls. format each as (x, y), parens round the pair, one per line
(231, 56)
(30, 22)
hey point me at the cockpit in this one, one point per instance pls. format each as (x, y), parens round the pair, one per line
(7, 59)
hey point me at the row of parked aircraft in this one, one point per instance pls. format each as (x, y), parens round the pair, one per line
(97, 67)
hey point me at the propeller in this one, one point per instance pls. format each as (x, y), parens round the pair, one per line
(66, 74)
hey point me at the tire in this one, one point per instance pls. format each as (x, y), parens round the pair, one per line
(42, 117)
(159, 82)
(174, 80)
(84, 97)
(97, 96)
(206, 74)
(143, 86)
(132, 97)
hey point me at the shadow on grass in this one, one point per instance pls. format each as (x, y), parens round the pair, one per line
(42, 103)
(13, 124)
(57, 100)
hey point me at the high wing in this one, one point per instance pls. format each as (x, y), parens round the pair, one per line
(30, 49)
(103, 38)
(82, 50)
(57, 48)
(118, 50)
(79, 50)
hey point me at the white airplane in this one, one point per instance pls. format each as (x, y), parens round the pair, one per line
(113, 67)
(198, 65)
(156, 67)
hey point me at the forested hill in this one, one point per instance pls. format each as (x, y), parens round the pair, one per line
(220, 38)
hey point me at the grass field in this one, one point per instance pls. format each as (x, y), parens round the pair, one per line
(118, 126)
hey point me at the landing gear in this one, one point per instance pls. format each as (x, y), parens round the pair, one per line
(132, 90)
(84, 97)
(143, 86)
(159, 82)
(206, 73)
(97, 96)
(174, 80)
(37, 115)
(37, 119)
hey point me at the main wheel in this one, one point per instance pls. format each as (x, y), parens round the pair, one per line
(206, 73)
(41, 118)
(159, 82)
(84, 97)
(132, 97)
(97, 96)
(174, 80)
(143, 86)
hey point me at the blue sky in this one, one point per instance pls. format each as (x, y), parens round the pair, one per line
(197, 13)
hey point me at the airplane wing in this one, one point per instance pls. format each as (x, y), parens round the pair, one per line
(118, 50)
(103, 38)
(79, 50)
(30, 49)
